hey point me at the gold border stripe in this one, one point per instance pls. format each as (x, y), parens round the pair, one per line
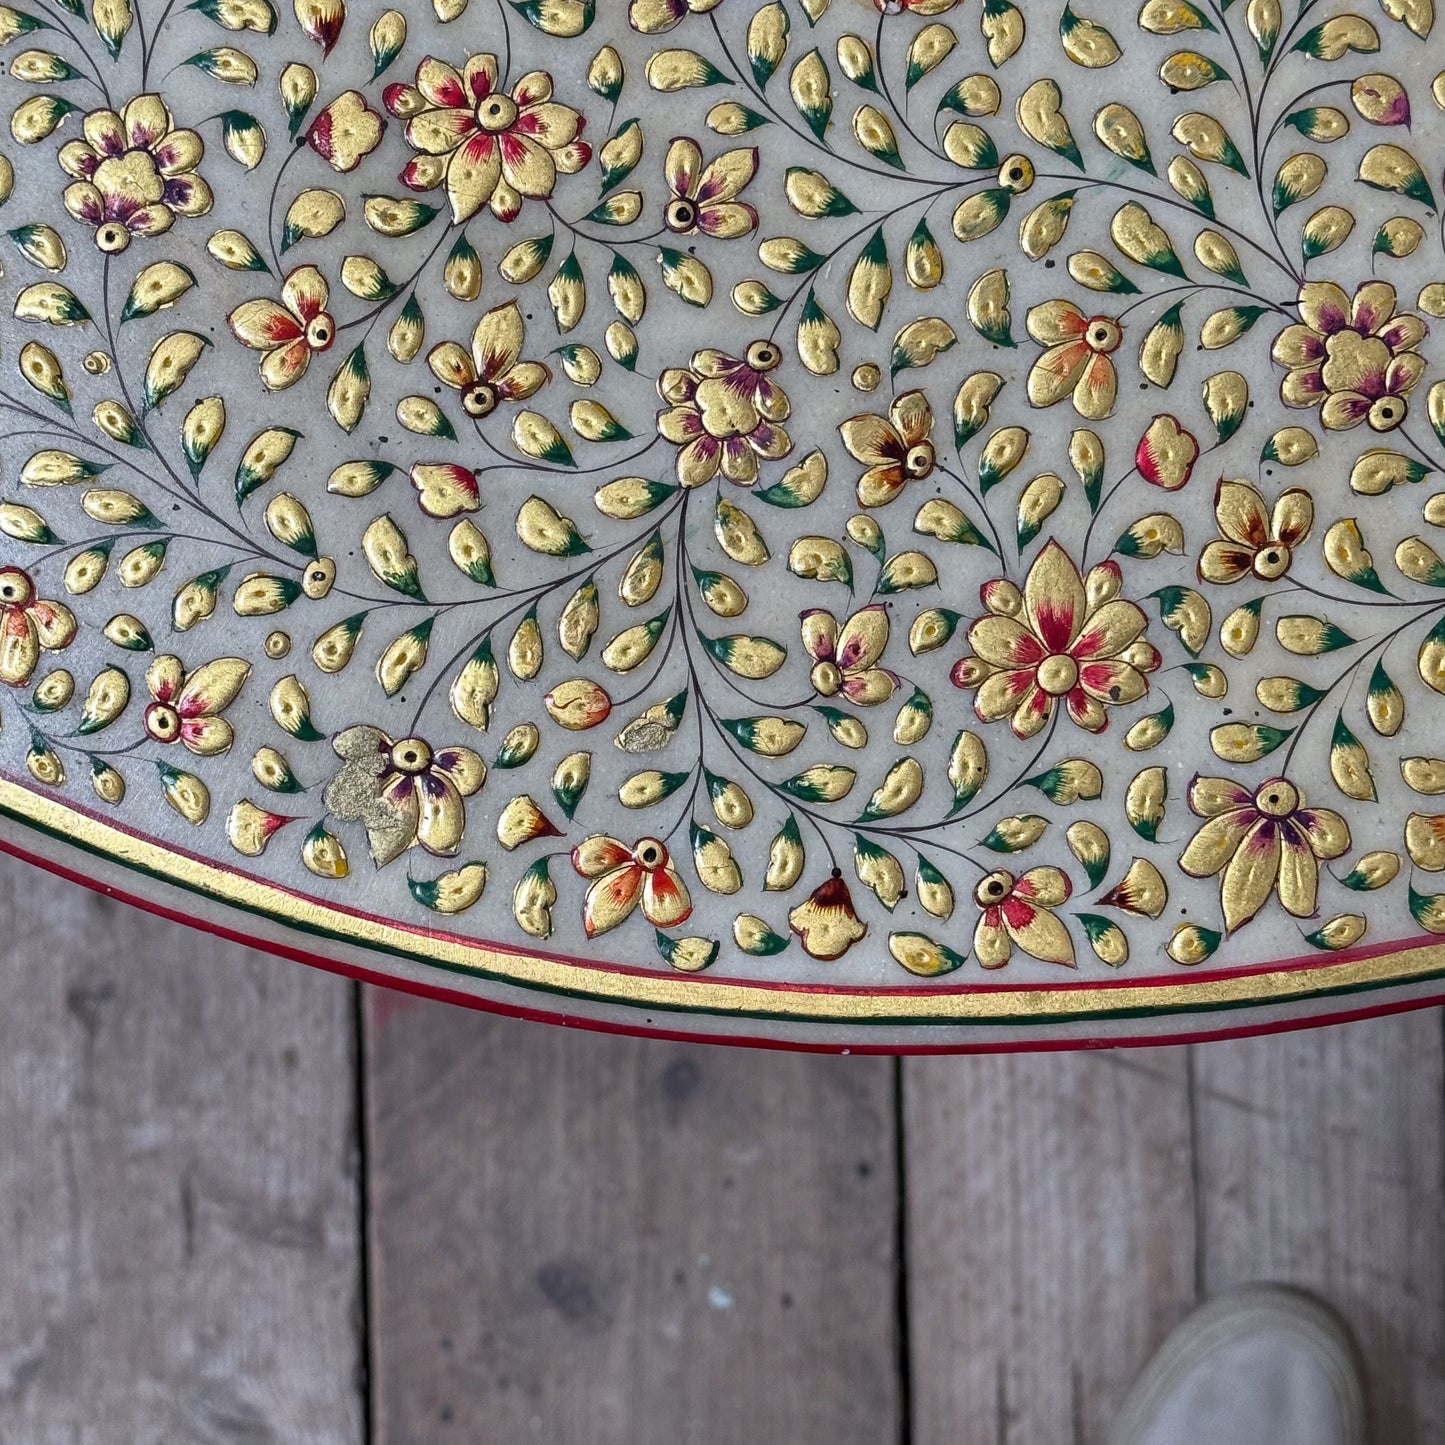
(683, 993)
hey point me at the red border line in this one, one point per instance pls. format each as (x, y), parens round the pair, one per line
(1300, 963)
(441, 993)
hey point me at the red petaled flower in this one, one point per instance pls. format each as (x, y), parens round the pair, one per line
(27, 624)
(288, 331)
(346, 132)
(1018, 911)
(1062, 636)
(484, 145)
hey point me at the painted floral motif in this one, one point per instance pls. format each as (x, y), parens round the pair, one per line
(1018, 912)
(1261, 841)
(705, 197)
(484, 144)
(826, 923)
(186, 707)
(1357, 360)
(405, 793)
(724, 414)
(845, 658)
(1256, 539)
(624, 878)
(1077, 359)
(134, 173)
(346, 131)
(1060, 637)
(28, 624)
(289, 332)
(494, 372)
(896, 449)
(662, 475)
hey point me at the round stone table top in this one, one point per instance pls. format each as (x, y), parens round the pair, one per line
(870, 526)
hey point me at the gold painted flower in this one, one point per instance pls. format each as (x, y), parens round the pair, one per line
(187, 707)
(484, 145)
(134, 173)
(288, 331)
(1062, 636)
(723, 414)
(623, 877)
(1019, 911)
(826, 922)
(404, 793)
(346, 132)
(1077, 358)
(896, 449)
(1261, 842)
(913, 7)
(1356, 360)
(652, 17)
(28, 624)
(844, 658)
(494, 372)
(705, 198)
(1256, 539)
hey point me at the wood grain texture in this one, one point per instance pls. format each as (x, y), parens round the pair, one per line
(178, 1210)
(577, 1237)
(1321, 1163)
(1050, 1239)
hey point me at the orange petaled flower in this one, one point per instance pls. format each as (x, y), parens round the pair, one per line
(1018, 911)
(1261, 841)
(623, 877)
(896, 449)
(705, 198)
(404, 793)
(723, 414)
(27, 624)
(188, 706)
(1355, 360)
(288, 331)
(134, 173)
(494, 372)
(1256, 540)
(844, 658)
(1063, 636)
(825, 921)
(485, 146)
(1077, 358)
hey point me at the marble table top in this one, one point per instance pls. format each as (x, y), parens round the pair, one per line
(865, 525)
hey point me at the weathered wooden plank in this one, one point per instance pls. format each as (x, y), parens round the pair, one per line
(180, 1257)
(577, 1237)
(1050, 1238)
(1321, 1159)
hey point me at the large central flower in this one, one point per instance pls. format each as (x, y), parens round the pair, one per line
(1063, 636)
(487, 147)
(1355, 360)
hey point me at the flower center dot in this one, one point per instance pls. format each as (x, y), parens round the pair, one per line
(1058, 674)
